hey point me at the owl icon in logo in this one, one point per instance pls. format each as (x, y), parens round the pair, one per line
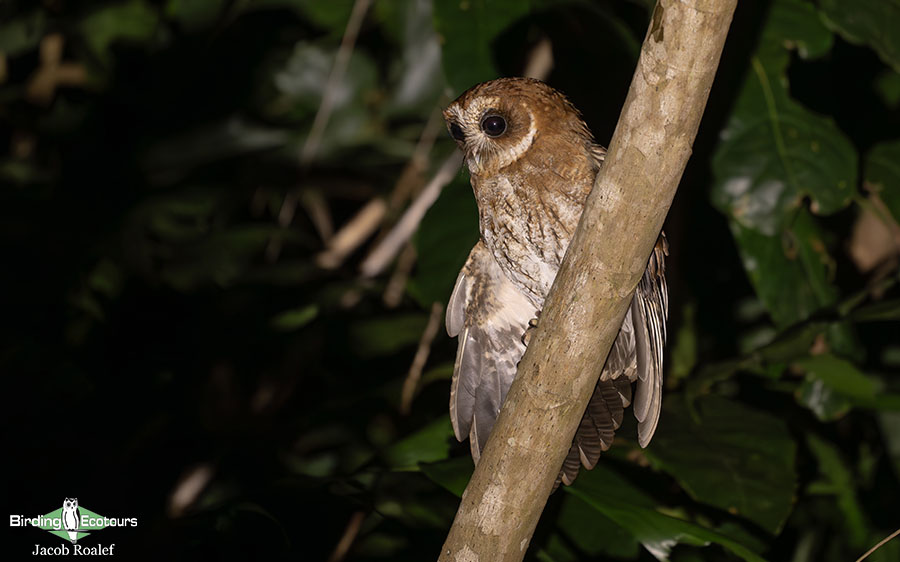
(71, 516)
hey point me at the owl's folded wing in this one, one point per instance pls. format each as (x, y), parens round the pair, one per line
(649, 311)
(490, 316)
(636, 355)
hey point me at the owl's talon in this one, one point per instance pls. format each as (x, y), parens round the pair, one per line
(532, 324)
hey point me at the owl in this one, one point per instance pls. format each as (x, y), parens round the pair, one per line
(71, 517)
(532, 162)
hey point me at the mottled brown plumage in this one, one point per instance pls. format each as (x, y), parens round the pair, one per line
(532, 162)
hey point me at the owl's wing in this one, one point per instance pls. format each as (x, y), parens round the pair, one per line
(636, 355)
(649, 310)
(490, 316)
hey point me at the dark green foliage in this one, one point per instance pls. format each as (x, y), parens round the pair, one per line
(168, 314)
(731, 457)
(448, 232)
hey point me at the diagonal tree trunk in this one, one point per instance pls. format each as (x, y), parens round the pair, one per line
(605, 260)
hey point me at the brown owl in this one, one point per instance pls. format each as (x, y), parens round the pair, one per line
(532, 162)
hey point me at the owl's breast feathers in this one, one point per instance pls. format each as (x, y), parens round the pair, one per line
(529, 209)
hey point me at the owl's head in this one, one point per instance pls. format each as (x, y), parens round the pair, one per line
(495, 123)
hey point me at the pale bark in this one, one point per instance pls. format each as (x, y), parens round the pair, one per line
(623, 216)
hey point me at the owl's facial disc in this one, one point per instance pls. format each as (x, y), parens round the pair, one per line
(493, 132)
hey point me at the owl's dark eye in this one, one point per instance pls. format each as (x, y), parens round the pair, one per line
(457, 132)
(493, 125)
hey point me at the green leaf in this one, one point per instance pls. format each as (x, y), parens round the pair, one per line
(380, 545)
(305, 74)
(848, 382)
(442, 372)
(889, 423)
(751, 539)
(790, 271)
(882, 174)
(386, 335)
(844, 341)
(886, 311)
(221, 258)
(613, 497)
(135, 20)
(594, 533)
(887, 86)
(774, 152)
(824, 401)
(840, 375)
(416, 75)
(168, 159)
(394, 17)
(195, 14)
(556, 550)
(295, 92)
(295, 318)
(869, 22)
(23, 33)
(429, 444)
(186, 236)
(840, 482)
(795, 24)
(453, 474)
(684, 350)
(106, 278)
(774, 155)
(443, 241)
(467, 29)
(736, 458)
(332, 15)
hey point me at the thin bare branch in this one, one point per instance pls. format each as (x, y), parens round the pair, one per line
(317, 208)
(380, 257)
(881, 543)
(540, 60)
(353, 234)
(411, 178)
(189, 487)
(341, 60)
(396, 285)
(52, 72)
(350, 533)
(421, 357)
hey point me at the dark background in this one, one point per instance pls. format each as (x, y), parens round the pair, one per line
(167, 318)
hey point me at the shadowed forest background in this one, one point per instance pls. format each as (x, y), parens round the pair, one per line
(208, 326)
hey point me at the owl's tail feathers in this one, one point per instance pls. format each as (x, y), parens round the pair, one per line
(595, 434)
(73, 536)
